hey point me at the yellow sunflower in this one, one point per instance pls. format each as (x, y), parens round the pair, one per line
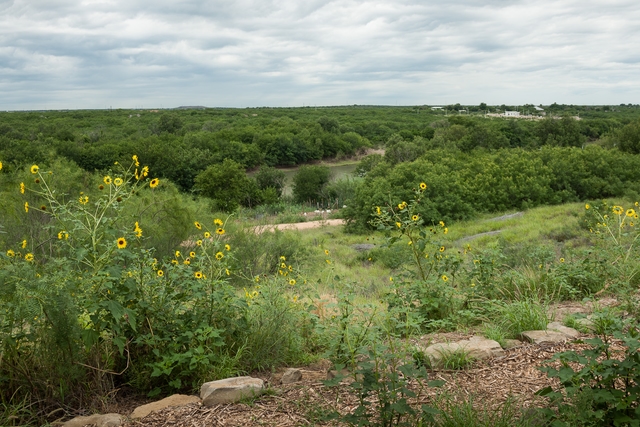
(630, 212)
(227, 247)
(26, 207)
(122, 243)
(198, 225)
(423, 186)
(414, 217)
(219, 255)
(442, 248)
(192, 254)
(444, 278)
(218, 222)
(22, 188)
(292, 282)
(154, 183)
(160, 273)
(107, 180)
(207, 234)
(11, 253)
(118, 182)
(199, 242)
(220, 231)
(617, 210)
(34, 169)
(28, 257)
(24, 243)
(326, 251)
(587, 207)
(198, 275)
(135, 159)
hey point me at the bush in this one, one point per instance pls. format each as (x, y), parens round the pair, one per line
(228, 186)
(309, 183)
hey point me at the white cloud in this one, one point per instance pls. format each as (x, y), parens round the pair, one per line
(280, 53)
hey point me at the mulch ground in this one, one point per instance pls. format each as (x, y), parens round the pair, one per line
(489, 383)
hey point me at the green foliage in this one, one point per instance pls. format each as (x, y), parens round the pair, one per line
(453, 413)
(600, 385)
(519, 316)
(270, 177)
(309, 183)
(455, 359)
(227, 186)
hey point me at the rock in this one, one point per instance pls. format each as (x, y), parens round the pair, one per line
(511, 344)
(548, 336)
(557, 326)
(106, 420)
(174, 400)
(585, 323)
(230, 390)
(361, 247)
(477, 347)
(291, 375)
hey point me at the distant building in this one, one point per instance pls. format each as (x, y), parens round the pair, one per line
(436, 108)
(539, 108)
(512, 114)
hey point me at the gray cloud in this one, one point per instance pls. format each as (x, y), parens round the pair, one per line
(95, 54)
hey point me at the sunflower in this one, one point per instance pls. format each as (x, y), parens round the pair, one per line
(118, 182)
(22, 188)
(199, 242)
(34, 169)
(122, 243)
(630, 212)
(228, 273)
(218, 222)
(28, 257)
(227, 247)
(444, 278)
(561, 259)
(11, 253)
(283, 265)
(26, 207)
(24, 243)
(617, 210)
(135, 159)
(198, 225)
(423, 186)
(587, 206)
(399, 225)
(107, 180)
(0, 166)
(174, 261)
(446, 230)
(441, 223)
(160, 273)
(378, 211)
(326, 251)
(83, 200)
(402, 205)
(441, 248)
(207, 234)
(198, 275)
(63, 235)
(192, 254)
(283, 258)
(178, 254)
(414, 217)
(154, 183)
(219, 255)
(220, 231)
(144, 172)
(292, 282)
(137, 230)
(187, 261)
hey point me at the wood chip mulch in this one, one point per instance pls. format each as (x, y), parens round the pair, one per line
(490, 383)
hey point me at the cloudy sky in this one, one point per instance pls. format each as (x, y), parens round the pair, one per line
(245, 53)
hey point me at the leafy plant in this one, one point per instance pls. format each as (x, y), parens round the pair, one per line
(605, 381)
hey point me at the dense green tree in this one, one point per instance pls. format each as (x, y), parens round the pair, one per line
(227, 185)
(309, 182)
(270, 177)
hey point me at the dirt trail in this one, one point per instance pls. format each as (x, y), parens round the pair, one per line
(298, 225)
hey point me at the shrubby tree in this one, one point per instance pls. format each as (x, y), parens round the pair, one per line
(309, 182)
(270, 177)
(227, 185)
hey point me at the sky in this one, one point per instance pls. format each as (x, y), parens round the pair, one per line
(76, 54)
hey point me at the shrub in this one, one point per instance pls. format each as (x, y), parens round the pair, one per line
(309, 182)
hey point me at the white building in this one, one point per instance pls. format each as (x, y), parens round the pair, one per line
(512, 114)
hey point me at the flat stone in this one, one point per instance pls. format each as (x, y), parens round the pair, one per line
(586, 323)
(230, 390)
(511, 344)
(291, 375)
(559, 327)
(477, 347)
(548, 336)
(173, 400)
(105, 420)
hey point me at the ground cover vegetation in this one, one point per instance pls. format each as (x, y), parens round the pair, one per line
(122, 276)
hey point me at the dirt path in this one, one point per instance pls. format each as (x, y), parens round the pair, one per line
(299, 225)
